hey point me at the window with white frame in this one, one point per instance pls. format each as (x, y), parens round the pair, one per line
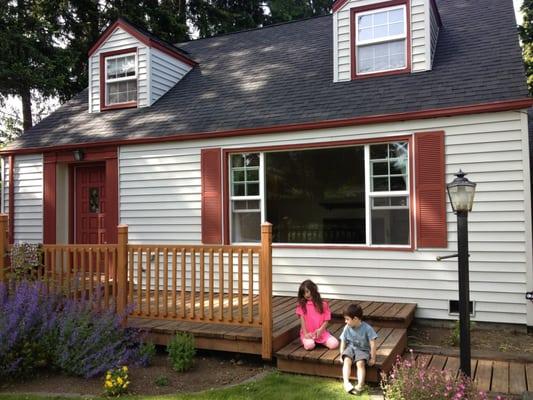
(121, 79)
(355, 195)
(381, 40)
(245, 195)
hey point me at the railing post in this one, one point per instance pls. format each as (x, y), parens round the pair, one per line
(265, 290)
(3, 245)
(122, 271)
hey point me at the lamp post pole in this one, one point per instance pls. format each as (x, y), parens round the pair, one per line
(464, 291)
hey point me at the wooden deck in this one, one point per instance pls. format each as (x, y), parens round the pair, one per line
(497, 377)
(164, 321)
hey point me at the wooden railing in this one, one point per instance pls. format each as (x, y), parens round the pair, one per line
(216, 284)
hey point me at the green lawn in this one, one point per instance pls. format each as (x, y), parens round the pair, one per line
(275, 386)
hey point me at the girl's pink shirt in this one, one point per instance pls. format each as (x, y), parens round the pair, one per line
(313, 319)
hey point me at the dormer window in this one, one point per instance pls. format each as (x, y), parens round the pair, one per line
(119, 81)
(380, 37)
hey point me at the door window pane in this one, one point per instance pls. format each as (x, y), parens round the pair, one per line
(94, 200)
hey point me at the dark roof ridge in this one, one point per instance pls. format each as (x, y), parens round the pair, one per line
(255, 29)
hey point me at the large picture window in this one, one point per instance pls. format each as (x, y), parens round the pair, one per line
(381, 40)
(356, 195)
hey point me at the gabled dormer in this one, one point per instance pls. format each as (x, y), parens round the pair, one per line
(129, 67)
(374, 38)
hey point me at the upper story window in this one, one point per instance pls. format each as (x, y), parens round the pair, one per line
(380, 40)
(121, 79)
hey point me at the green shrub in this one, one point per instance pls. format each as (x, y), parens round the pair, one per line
(161, 380)
(26, 260)
(146, 353)
(455, 336)
(181, 352)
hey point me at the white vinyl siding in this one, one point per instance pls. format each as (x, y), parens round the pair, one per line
(28, 188)
(342, 39)
(166, 72)
(160, 198)
(119, 40)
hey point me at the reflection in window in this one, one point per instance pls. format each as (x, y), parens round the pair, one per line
(316, 196)
(94, 200)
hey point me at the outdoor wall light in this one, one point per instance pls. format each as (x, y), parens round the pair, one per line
(78, 155)
(461, 192)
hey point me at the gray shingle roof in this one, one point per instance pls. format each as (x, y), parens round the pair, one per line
(284, 75)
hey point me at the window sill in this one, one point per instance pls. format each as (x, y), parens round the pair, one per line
(119, 106)
(356, 76)
(322, 246)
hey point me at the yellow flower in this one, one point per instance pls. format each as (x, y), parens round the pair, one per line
(125, 368)
(108, 376)
(108, 384)
(119, 380)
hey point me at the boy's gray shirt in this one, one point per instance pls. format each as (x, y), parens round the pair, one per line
(359, 337)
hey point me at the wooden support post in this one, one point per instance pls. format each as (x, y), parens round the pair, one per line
(3, 246)
(265, 290)
(122, 271)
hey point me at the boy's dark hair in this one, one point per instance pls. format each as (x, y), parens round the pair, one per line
(353, 310)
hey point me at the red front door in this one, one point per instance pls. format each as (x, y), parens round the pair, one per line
(90, 205)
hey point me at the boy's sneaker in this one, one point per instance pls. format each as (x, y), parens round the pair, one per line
(348, 387)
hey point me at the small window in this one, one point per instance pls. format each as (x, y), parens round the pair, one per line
(121, 79)
(245, 197)
(381, 40)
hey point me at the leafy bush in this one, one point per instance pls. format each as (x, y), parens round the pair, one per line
(39, 329)
(88, 342)
(116, 381)
(161, 381)
(181, 351)
(455, 335)
(410, 380)
(146, 353)
(27, 318)
(26, 259)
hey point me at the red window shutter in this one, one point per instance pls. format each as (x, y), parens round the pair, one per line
(211, 196)
(430, 190)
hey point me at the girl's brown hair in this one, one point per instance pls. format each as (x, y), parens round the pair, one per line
(315, 296)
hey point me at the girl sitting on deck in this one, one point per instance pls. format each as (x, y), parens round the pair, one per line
(314, 315)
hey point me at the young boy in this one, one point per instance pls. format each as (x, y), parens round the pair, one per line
(358, 344)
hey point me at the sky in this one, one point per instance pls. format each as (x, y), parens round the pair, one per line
(14, 103)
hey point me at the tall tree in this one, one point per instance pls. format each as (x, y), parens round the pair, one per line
(289, 10)
(32, 58)
(526, 34)
(214, 17)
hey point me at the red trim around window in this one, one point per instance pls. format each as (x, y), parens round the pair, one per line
(353, 46)
(148, 41)
(497, 106)
(306, 146)
(116, 106)
(11, 200)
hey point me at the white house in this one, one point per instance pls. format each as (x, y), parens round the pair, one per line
(341, 131)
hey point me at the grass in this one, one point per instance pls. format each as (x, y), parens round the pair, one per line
(274, 387)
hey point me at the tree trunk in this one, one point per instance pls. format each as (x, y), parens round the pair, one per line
(26, 109)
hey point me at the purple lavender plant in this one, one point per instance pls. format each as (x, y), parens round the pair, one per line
(42, 329)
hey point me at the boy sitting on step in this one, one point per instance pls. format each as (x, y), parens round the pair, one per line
(358, 344)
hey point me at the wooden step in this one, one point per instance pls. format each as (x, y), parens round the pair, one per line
(389, 315)
(294, 358)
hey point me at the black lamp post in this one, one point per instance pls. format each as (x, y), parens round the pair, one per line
(461, 192)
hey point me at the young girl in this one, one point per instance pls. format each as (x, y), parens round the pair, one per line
(314, 315)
